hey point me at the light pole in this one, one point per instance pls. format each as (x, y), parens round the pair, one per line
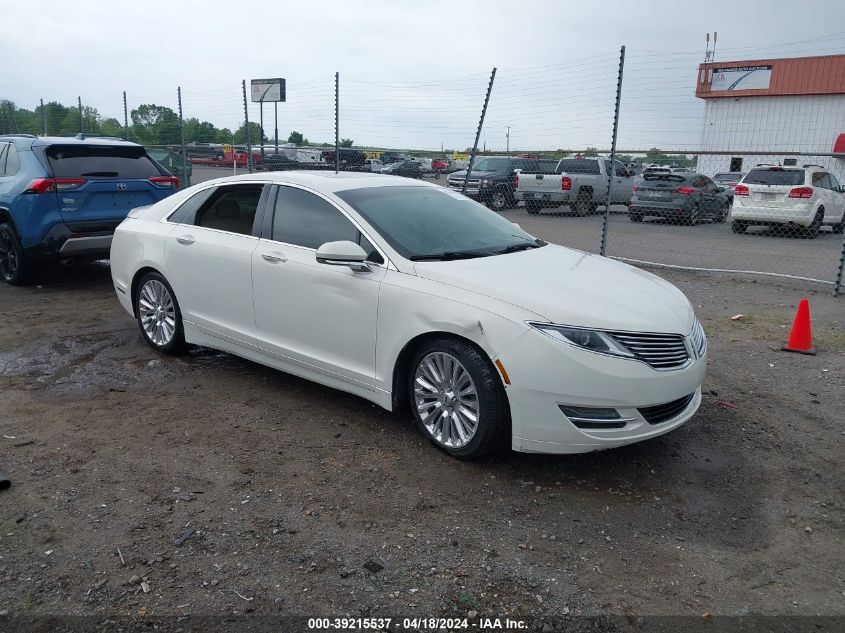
(508, 140)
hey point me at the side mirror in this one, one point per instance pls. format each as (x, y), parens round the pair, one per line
(343, 253)
(516, 225)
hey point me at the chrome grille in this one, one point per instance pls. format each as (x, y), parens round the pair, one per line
(660, 351)
(699, 339)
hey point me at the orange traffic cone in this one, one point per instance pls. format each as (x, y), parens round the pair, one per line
(801, 336)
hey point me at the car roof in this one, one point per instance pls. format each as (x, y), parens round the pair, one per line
(26, 140)
(326, 181)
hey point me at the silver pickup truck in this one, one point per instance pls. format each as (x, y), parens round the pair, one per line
(580, 183)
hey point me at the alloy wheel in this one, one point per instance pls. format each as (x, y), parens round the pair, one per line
(157, 312)
(498, 201)
(8, 256)
(446, 399)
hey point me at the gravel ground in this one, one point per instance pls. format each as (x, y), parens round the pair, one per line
(149, 486)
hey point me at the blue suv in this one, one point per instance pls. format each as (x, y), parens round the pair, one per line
(61, 198)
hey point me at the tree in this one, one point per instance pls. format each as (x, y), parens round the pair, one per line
(346, 142)
(256, 134)
(155, 125)
(297, 138)
(591, 152)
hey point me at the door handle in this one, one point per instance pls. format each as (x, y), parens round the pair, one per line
(274, 258)
(187, 240)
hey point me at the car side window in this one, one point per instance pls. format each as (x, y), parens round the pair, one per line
(304, 219)
(834, 184)
(13, 163)
(620, 170)
(825, 179)
(230, 208)
(3, 148)
(818, 178)
(187, 211)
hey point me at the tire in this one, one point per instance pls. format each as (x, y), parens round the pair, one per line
(694, 216)
(635, 217)
(723, 214)
(428, 396)
(812, 231)
(533, 207)
(583, 204)
(156, 307)
(14, 265)
(499, 200)
(738, 226)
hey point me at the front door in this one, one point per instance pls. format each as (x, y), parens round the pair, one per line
(317, 315)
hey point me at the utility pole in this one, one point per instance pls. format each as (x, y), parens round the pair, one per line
(79, 102)
(336, 122)
(508, 140)
(125, 119)
(478, 131)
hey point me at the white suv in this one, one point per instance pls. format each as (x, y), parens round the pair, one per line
(791, 197)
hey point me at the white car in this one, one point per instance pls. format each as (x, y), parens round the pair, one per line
(414, 296)
(789, 197)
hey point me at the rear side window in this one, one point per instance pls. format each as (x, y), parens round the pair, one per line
(231, 208)
(4, 147)
(13, 163)
(788, 177)
(100, 161)
(578, 166)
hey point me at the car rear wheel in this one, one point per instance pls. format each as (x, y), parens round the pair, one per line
(723, 214)
(738, 226)
(158, 315)
(692, 219)
(457, 398)
(812, 231)
(582, 205)
(13, 263)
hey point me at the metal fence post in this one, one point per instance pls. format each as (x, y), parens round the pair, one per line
(276, 122)
(838, 286)
(336, 122)
(43, 120)
(182, 139)
(79, 102)
(246, 130)
(612, 171)
(261, 127)
(125, 118)
(478, 131)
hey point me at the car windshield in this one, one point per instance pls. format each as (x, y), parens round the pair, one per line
(433, 223)
(774, 177)
(492, 164)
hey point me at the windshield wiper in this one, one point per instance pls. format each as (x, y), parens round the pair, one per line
(446, 256)
(513, 248)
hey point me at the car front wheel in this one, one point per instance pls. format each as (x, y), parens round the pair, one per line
(158, 315)
(457, 398)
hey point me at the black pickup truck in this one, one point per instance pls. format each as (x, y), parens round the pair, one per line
(493, 179)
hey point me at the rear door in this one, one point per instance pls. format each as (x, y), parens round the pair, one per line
(770, 187)
(838, 200)
(104, 182)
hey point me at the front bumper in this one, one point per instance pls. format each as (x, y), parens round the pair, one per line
(546, 374)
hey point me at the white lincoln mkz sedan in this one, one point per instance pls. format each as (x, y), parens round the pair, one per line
(414, 296)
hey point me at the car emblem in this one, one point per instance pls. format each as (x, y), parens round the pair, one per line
(121, 186)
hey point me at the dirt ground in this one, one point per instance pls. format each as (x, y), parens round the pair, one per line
(207, 485)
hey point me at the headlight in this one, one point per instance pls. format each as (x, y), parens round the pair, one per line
(486, 183)
(593, 340)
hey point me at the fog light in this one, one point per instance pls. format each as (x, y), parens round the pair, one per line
(594, 417)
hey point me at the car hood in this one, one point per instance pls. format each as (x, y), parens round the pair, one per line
(571, 287)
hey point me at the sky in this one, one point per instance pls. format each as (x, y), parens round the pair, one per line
(412, 74)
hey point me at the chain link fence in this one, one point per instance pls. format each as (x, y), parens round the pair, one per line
(640, 156)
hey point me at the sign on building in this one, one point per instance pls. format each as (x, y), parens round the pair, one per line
(268, 89)
(741, 78)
